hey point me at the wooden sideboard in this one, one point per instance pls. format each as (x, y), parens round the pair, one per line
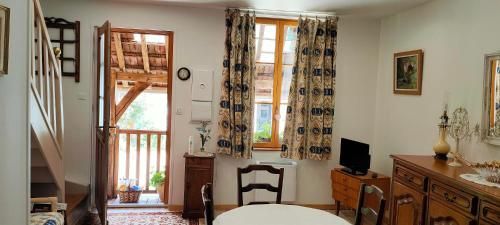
(198, 172)
(345, 187)
(426, 191)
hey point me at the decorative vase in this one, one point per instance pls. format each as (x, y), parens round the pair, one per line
(442, 148)
(160, 189)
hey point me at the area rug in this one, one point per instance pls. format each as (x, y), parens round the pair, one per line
(148, 218)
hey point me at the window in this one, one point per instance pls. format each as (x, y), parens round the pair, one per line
(275, 41)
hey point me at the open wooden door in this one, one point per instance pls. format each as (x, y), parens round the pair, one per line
(102, 117)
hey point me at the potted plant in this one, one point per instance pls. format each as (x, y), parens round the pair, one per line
(158, 181)
(204, 134)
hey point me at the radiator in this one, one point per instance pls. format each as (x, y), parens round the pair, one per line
(289, 193)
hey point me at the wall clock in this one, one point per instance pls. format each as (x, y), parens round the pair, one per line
(183, 73)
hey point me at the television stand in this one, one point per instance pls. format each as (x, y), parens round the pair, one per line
(354, 172)
(345, 187)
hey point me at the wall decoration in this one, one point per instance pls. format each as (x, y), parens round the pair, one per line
(4, 39)
(67, 37)
(183, 73)
(408, 68)
(459, 131)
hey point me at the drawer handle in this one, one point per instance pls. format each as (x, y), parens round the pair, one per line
(450, 199)
(408, 177)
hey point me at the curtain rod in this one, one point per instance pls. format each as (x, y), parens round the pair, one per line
(285, 14)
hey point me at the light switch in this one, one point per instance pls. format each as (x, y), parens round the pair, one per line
(179, 111)
(82, 96)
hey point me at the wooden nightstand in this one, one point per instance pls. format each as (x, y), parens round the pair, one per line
(345, 187)
(198, 172)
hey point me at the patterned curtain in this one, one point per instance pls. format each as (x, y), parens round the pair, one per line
(237, 88)
(310, 111)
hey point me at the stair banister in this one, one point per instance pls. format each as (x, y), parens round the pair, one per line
(47, 120)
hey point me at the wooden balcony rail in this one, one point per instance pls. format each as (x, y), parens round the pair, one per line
(146, 164)
(46, 77)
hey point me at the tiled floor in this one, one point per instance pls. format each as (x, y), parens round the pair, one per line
(146, 200)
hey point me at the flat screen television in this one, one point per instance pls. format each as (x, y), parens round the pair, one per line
(354, 156)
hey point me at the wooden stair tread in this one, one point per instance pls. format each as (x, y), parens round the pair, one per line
(73, 200)
(75, 195)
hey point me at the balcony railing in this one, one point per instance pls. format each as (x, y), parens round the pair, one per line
(140, 154)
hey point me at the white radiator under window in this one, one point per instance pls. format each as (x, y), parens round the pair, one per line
(289, 193)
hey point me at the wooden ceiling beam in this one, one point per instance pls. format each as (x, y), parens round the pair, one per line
(142, 77)
(119, 51)
(145, 54)
(131, 95)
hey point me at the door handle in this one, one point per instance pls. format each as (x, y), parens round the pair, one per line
(111, 127)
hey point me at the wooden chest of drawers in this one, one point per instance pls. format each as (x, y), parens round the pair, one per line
(427, 191)
(345, 187)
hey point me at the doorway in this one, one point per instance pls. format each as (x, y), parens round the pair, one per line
(140, 77)
(134, 95)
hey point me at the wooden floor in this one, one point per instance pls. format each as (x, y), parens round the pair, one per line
(147, 200)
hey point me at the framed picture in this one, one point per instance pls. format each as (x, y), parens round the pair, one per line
(4, 39)
(408, 68)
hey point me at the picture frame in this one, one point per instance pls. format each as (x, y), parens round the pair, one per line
(4, 39)
(408, 68)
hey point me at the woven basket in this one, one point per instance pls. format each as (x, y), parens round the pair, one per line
(129, 196)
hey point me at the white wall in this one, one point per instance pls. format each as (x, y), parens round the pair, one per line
(14, 120)
(198, 44)
(454, 35)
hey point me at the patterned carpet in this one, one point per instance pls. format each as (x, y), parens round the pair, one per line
(148, 218)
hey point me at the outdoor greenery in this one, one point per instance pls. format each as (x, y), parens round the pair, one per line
(134, 118)
(157, 178)
(263, 133)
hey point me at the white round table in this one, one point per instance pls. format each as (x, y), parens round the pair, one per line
(275, 214)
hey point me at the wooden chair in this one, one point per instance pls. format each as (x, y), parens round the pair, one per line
(368, 213)
(208, 202)
(268, 187)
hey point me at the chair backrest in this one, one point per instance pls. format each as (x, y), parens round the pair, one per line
(263, 186)
(208, 202)
(364, 213)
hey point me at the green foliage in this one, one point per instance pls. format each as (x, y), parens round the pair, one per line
(263, 134)
(134, 118)
(158, 178)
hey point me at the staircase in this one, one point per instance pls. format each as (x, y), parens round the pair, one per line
(47, 126)
(46, 107)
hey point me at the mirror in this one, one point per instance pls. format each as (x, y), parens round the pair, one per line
(491, 100)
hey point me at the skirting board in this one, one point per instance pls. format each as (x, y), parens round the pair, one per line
(139, 206)
(229, 207)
